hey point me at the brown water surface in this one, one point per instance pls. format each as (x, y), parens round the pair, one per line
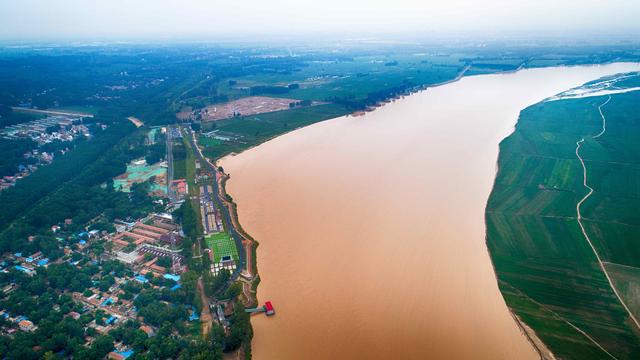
(372, 228)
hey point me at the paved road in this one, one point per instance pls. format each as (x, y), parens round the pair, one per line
(226, 217)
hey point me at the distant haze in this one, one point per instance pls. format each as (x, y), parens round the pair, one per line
(155, 19)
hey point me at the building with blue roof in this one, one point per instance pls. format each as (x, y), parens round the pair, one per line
(194, 314)
(43, 262)
(125, 354)
(173, 277)
(23, 269)
(109, 301)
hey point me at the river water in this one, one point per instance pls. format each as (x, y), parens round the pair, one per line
(372, 228)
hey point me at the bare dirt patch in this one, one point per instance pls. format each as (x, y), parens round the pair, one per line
(246, 106)
(137, 122)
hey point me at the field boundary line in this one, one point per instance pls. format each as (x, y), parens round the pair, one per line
(579, 204)
(559, 317)
(623, 265)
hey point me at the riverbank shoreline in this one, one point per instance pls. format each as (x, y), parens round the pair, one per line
(226, 158)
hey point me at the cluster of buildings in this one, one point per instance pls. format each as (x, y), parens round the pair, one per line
(210, 214)
(42, 131)
(20, 323)
(201, 175)
(174, 133)
(108, 301)
(116, 309)
(180, 188)
(26, 263)
(143, 243)
(49, 129)
(222, 248)
(17, 322)
(36, 157)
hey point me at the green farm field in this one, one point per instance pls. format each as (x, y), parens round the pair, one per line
(547, 272)
(255, 129)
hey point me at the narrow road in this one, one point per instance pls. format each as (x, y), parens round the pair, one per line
(579, 205)
(557, 316)
(223, 209)
(205, 315)
(169, 138)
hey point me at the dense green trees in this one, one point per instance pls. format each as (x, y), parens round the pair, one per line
(41, 299)
(165, 262)
(100, 347)
(157, 151)
(268, 89)
(81, 161)
(241, 331)
(9, 117)
(71, 187)
(157, 313)
(189, 219)
(12, 154)
(213, 284)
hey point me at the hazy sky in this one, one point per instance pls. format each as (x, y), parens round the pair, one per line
(127, 19)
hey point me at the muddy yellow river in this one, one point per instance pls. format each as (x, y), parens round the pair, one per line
(372, 228)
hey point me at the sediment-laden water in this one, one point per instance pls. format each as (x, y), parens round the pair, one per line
(372, 228)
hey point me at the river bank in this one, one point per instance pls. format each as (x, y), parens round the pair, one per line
(371, 227)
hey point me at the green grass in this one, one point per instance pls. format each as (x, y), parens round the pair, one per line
(547, 272)
(19, 117)
(209, 142)
(253, 130)
(179, 169)
(357, 77)
(222, 245)
(627, 281)
(190, 168)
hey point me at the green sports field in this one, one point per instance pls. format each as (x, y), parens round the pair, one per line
(222, 245)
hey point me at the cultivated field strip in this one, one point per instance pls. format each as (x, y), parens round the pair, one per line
(556, 188)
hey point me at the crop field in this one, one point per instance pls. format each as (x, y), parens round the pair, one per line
(354, 79)
(252, 130)
(358, 75)
(627, 281)
(222, 245)
(547, 272)
(209, 141)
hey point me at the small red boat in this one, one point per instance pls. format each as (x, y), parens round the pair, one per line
(269, 308)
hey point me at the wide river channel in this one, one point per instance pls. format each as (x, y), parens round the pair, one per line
(371, 228)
